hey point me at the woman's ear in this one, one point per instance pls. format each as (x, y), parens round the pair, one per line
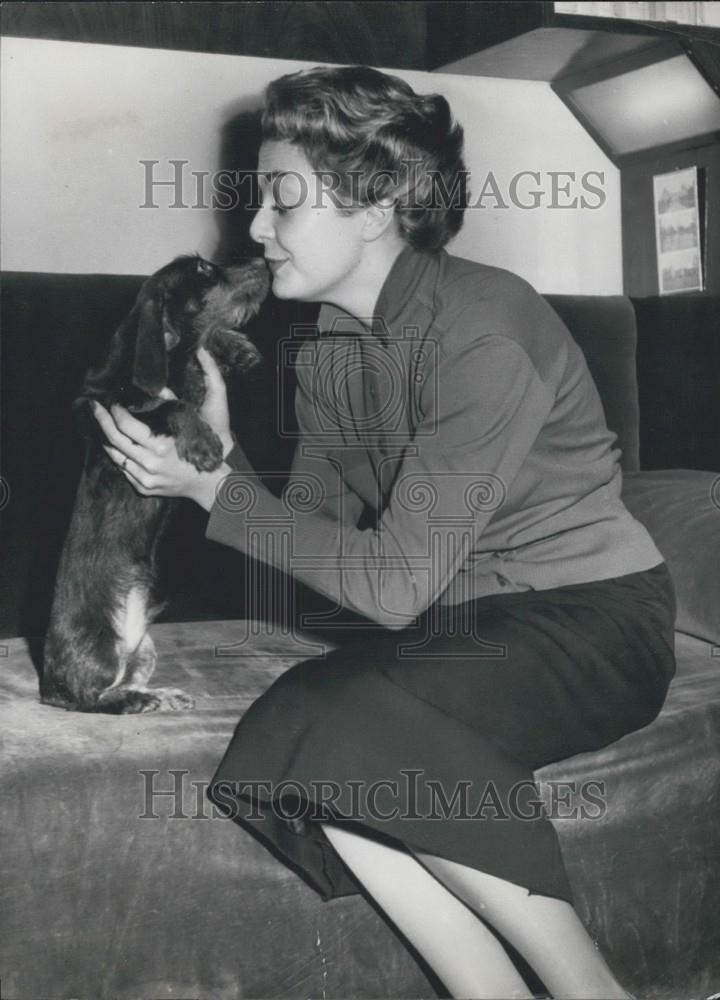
(378, 218)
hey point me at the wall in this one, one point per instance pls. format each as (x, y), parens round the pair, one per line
(518, 125)
(77, 119)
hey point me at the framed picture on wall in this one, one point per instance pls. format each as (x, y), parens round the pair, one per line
(677, 231)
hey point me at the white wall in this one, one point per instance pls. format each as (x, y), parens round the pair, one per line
(76, 121)
(78, 118)
(517, 126)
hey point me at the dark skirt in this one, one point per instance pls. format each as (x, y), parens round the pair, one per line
(428, 738)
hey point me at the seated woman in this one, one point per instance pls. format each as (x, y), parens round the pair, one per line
(523, 615)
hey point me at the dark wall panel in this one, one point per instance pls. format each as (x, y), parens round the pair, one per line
(386, 33)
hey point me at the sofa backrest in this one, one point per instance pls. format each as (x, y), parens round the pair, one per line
(678, 372)
(53, 326)
(604, 328)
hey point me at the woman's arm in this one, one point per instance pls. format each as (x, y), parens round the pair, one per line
(151, 464)
(477, 431)
(478, 428)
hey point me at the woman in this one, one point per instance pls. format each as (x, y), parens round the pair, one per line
(526, 616)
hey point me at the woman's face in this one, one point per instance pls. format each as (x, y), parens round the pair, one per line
(311, 249)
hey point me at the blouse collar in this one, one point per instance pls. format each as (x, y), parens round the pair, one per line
(409, 270)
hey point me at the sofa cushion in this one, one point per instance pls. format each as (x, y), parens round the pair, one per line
(644, 864)
(681, 510)
(116, 891)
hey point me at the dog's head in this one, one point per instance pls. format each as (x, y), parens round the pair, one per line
(187, 304)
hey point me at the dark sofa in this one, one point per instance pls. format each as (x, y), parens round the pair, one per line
(111, 894)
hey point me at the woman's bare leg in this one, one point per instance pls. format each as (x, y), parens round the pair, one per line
(466, 956)
(547, 932)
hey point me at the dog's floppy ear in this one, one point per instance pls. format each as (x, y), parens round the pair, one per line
(150, 369)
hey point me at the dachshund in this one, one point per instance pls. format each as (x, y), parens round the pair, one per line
(98, 654)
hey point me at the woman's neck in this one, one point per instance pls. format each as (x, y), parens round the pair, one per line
(361, 297)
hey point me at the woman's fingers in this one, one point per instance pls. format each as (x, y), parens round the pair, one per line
(135, 461)
(150, 463)
(107, 423)
(130, 426)
(117, 425)
(128, 466)
(129, 436)
(144, 480)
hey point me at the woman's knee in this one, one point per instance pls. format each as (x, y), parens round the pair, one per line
(323, 677)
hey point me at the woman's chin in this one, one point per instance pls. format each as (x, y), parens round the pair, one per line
(286, 290)
(281, 288)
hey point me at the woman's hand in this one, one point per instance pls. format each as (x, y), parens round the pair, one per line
(151, 463)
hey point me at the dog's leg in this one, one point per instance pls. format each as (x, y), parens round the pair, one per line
(136, 655)
(156, 699)
(143, 662)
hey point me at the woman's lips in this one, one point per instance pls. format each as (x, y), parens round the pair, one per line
(274, 265)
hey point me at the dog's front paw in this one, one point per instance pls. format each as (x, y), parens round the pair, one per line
(196, 442)
(202, 448)
(234, 351)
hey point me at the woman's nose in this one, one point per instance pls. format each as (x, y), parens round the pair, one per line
(261, 229)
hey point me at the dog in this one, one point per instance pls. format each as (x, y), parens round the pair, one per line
(99, 655)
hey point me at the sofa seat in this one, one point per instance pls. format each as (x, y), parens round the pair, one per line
(113, 892)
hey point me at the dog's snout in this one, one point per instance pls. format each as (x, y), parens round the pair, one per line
(251, 278)
(263, 276)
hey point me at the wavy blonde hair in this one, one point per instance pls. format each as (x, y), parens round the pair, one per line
(380, 140)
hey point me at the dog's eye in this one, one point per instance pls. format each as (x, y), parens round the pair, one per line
(205, 267)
